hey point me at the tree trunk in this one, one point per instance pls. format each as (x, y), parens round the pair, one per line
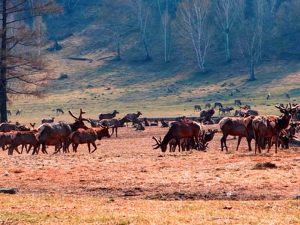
(252, 70)
(148, 58)
(118, 49)
(165, 43)
(3, 94)
(166, 26)
(228, 56)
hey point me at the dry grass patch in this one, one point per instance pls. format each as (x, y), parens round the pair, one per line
(54, 209)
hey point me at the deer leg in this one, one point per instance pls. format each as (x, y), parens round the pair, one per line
(44, 151)
(178, 143)
(11, 150)
(256, 137)
(28, 150)
(249, 144)
(116, 131)
(75, 146)
(56, 150)
(277, 137)
(35, 149)
(113, 131)
(22, 149)
(260, 143)
(95, 146)
(89, 146)
(223, 142)
(239, 142)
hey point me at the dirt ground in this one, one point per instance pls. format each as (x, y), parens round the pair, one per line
(128, 168)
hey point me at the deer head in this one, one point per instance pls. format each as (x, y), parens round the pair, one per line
(288, 110)
(78, 120)
(159, 145)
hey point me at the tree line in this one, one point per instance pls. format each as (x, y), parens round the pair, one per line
(245, 30)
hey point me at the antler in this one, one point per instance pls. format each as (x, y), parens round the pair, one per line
(158, 143)
(280, 107)
(87, 120)
(72, 115)
(80, 115)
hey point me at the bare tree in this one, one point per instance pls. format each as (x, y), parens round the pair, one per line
(143, 10)
(165, 16)
(193, 20)
(22, 71)
(117, 23)
(251, 35)
(226, 15)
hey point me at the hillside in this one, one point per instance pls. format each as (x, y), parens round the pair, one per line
(153, 87)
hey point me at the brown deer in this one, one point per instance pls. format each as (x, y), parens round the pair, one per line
(88, 136)
(57, 133)
(179, 130)
(132, 117)
(266, 127)
(22, 138)
(8, 127)
(108, 115)
(6, 140)
(114, 124)
(197, 108)
(241, 127)
(206, 115)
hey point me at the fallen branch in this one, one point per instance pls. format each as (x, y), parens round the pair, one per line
(80, 59)
(9, 190)
(107, 57)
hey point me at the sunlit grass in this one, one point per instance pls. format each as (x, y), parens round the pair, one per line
(54, 209)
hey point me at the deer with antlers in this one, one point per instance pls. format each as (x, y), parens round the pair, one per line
(179, 130)
(57, 133)
(266, 127)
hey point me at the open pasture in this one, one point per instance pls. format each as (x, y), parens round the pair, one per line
(127, 182)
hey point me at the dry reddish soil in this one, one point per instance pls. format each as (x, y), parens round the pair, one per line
(128, 167)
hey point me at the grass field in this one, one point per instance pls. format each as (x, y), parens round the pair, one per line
(57, 209)
(127, 182)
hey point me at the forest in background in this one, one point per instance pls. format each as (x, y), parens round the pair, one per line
(170, 53)
(208, 33)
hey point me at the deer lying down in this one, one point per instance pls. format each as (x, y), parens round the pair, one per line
(88, 136)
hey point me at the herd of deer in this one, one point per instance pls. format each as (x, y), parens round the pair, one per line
(265, 130)
(60, 134)
(184, 134)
